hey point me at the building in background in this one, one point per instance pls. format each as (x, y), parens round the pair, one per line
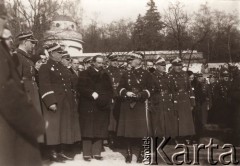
(64, 31)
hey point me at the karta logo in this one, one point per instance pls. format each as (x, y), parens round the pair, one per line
(215, 154)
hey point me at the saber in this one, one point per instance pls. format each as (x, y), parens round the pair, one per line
(149, 133)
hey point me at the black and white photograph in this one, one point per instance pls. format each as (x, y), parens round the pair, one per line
(119, 82)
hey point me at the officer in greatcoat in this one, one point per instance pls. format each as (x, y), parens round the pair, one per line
(72, 115)
(135, 88)
(163, 114)
(183, 98)
(56, 93)
(96, 94)
(212, 84)
(115, 75)
(202, 97)
(20, 122)
(235, 97)
(222, 103)
(26, 68)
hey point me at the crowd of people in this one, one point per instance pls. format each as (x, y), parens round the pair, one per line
(58, 101)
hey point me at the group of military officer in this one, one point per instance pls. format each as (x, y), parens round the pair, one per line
(55, 100)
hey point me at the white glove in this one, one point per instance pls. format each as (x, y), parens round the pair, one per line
(130, 94)
(95, 95)
(53, 107)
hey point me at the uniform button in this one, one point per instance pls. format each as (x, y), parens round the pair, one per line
(60, 73)
(65, 90)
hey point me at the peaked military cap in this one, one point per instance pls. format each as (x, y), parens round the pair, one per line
(87, 60)
(176, 62)
(160, 61)
(224, 73)
(112, 57)
(198, 75)
(136, 55)
(129, 58)
(53, 47)
(26, 36)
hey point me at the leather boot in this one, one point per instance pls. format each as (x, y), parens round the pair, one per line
(64, 156)
(55, 157)
(111, 141)
(128, 157)
(140, 156)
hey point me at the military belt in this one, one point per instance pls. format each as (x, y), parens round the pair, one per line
(29, 78)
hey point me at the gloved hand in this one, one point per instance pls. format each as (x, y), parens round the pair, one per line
(130, 94)
(95, 95)
(53, 108)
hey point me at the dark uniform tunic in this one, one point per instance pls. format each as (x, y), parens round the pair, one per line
(94, 114)
(235, 97)
(74, 78)
(163, 115)
(183, 102)
(55, 88)
(27, 71)
(115, 75)
(222, 104)
(212, 102)
(20, 123)
(202, 94)
(134, 119)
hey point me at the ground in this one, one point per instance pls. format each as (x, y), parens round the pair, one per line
(111, 158)
(116, 158)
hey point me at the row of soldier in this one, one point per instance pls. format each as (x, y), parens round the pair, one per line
(133, 102)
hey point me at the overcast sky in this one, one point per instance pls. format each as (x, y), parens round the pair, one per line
(106, 11)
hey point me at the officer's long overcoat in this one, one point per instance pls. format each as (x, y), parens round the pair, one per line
(134, 118)
(27, 72)
(163, 114)
(20, 123)
(184, 102)
(55, 88)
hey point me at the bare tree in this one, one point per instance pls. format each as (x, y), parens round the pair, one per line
(34, 15)
(224, 24)
(200, 27)
(176, 21)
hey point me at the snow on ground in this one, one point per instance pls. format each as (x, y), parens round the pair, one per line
(110, 158)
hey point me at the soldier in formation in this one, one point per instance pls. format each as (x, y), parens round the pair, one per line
(59, 108)
(183, 99)
(21, 123)
(103, 100)
(115, 75)
(164, 118)
(26, 69)
(135, 89)
(222, 101)
(202, 94)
